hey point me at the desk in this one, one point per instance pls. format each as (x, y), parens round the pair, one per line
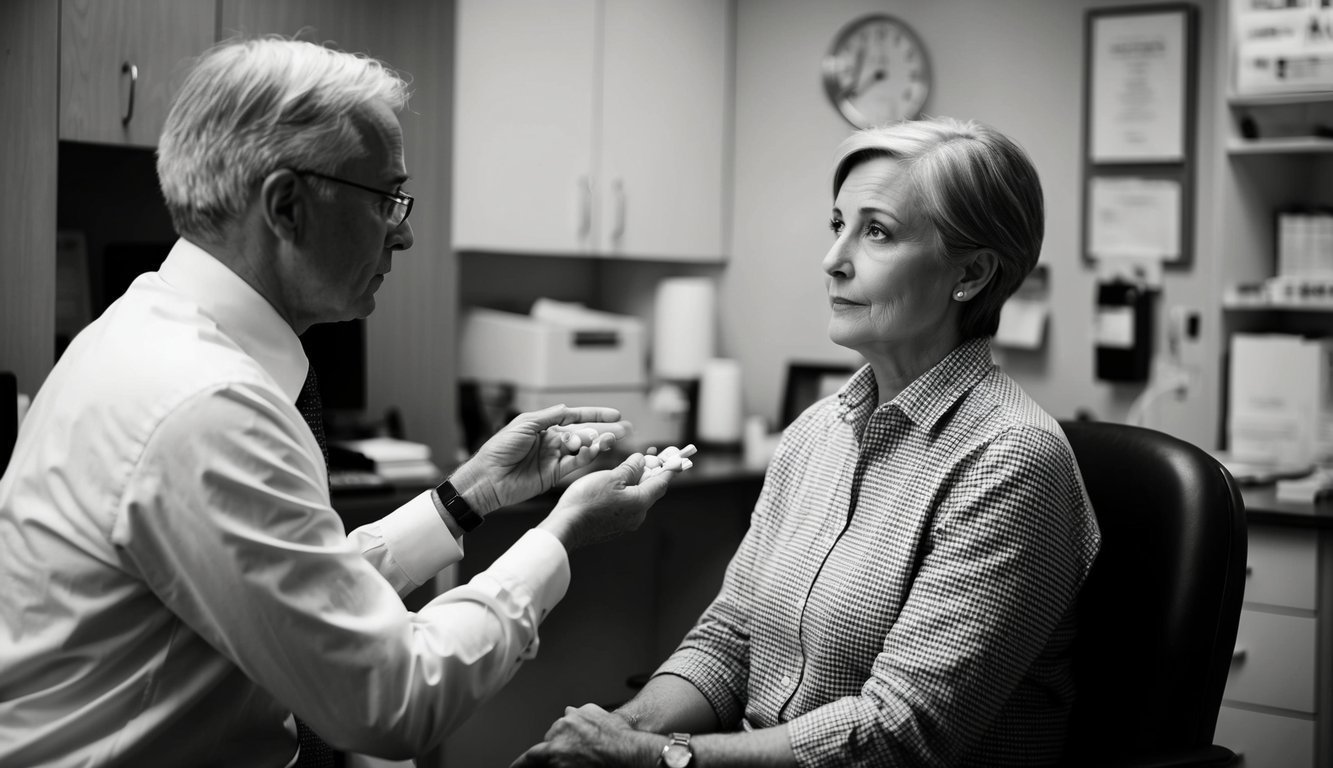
(1278, 706)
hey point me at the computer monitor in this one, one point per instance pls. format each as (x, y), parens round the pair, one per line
(337, 351)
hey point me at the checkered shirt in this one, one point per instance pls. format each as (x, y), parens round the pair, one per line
(905, 594)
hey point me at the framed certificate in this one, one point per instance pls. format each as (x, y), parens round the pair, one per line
(1139, 84)
(1140, 79)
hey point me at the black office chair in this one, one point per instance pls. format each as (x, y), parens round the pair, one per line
(1158, 614)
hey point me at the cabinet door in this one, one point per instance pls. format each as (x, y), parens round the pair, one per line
(122, 60)
(666, 81)
(523, 125)
(1264, 740)
(1275, 661)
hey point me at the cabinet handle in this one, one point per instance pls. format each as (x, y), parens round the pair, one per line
(585, 205)
(618, 189)
(133, 70)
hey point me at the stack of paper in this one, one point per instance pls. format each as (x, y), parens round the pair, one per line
(398, 461)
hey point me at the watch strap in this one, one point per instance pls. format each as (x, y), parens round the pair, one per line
(457, 507)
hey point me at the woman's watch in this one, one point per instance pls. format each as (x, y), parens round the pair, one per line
(677, 752)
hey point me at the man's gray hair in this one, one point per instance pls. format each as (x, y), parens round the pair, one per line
(252, 106)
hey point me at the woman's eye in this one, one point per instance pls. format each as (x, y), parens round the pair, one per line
(835, 226)
(876, 232)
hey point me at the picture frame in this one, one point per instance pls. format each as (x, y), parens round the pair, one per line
(1140, 83)
(809, 382)
(1139, 126)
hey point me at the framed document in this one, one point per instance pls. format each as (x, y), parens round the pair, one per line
(1139, 84)
(1140, 79)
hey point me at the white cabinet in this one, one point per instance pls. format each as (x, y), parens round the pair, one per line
(1271, 705)
(593, 127)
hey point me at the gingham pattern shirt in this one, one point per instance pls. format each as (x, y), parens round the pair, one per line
(905, 593)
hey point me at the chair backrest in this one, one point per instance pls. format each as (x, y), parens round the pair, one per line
(1158, 614)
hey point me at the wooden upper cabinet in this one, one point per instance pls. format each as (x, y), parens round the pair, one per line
(121, 62)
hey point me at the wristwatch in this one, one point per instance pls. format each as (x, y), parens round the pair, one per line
(677, 752)
(457, 507)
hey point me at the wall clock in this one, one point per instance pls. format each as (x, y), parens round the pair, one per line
(877, 71)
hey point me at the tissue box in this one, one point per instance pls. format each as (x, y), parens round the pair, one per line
(575, 350)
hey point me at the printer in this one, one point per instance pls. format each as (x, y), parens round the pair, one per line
(563, 352)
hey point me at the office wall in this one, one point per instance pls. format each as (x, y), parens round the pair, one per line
(1016, 64)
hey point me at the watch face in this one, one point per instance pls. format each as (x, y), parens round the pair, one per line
(877, 72)
(677, 756)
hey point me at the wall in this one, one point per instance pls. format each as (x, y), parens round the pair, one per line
(1016, 64)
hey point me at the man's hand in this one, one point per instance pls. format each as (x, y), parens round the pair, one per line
(603, 505)
(534, 451)
(589, 736)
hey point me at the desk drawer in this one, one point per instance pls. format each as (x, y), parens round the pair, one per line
(1266, 741)
(1276, 661)
(1283, 567)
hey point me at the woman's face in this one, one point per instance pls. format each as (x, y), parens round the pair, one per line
(889, 286)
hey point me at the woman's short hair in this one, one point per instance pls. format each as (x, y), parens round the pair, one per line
(977, 189)
(252, 106)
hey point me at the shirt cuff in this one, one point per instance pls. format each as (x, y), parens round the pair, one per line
(536, 566)
(418, 540)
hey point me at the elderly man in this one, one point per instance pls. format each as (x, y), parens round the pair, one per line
(176, 584)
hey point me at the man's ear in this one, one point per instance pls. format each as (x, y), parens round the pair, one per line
(978, 271)
(282, 198)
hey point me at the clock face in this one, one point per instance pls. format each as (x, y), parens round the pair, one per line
(877, 72)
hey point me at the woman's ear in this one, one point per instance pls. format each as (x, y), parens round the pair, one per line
(977, 273)
(282, 197)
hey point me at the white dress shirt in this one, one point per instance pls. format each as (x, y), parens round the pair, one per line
(174, 583)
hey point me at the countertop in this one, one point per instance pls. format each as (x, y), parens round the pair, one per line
(1263, 507)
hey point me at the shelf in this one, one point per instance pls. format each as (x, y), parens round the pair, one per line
(1279, 99)
(1252, 305)
(1283, 146)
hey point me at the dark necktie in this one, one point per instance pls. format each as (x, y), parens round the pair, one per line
(315, 753)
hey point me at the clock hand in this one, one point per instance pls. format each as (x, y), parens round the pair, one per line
(856, 76)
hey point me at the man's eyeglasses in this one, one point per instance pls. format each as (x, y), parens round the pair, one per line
(402, 202)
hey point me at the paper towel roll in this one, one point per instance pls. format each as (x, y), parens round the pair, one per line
(720, 415)
(684, 321)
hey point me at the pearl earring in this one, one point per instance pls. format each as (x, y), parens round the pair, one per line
(959, 295)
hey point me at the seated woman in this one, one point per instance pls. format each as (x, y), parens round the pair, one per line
(906, 592)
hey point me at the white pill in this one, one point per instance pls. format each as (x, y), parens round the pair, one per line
(688, 451)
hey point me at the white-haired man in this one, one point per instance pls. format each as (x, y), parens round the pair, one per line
(176, 584)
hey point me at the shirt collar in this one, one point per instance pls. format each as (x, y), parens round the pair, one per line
(240, 312)
(933, 393)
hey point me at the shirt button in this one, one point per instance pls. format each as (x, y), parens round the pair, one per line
(786, 681)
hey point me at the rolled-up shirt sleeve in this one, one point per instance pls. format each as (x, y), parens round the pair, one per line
(227, 520)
